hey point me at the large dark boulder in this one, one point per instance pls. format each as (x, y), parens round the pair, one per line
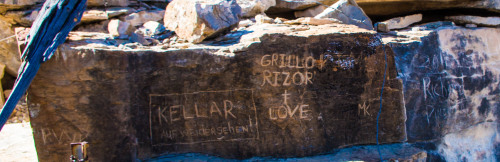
(292, 93)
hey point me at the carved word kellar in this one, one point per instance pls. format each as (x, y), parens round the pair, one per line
(202, 117)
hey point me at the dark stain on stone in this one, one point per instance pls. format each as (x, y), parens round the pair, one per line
(484, 107)
(478, 83)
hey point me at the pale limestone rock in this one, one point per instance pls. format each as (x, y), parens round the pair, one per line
(398, 22)
(151, 28)
(263, 19)
(478, 20)
(315, 21)
(348, 12)
(9, 52)
(311, 21)
(195, 20)
(476, 143)
(120, 29)
(245, 23)
(311, 12)
(250, 8)
(139, 18)
(94, 15)
(91, 15)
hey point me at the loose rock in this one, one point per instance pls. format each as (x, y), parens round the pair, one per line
(196, 20)
(250, 8)
(136, 19)
(294, 5)
(103, 14)
(311, 12)
(312, 21)
(94, 15)
(348, 12)
(245, 23)
(139, 37)
(120, 29)
(151, 28)
(478, 20)
(398, 22)
(9, 54)
(263, 19)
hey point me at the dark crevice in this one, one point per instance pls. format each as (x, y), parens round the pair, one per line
(287, 15)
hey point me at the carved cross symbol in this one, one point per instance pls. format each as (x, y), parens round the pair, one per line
(364, 108)
(285, 97)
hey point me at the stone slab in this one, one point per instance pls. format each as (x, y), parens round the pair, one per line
(451, 80)
(286, 95)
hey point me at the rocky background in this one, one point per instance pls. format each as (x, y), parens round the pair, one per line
(443, 57)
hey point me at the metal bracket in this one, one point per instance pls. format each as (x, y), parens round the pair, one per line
(79, 152)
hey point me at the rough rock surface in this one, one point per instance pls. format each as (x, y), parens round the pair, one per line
(478, 20)
(272, 87)
(311, 12)
(9, 54)
(451, 81)
(290, 6)
(348, 12)
(398, 22)
(151, 28)
(92, 15)
(295, 5)
(312, 21)
(120, 29)
(293, 91)
(250, 8)
(404, 7)
(196, 20)
(391, 152)
(139, 18)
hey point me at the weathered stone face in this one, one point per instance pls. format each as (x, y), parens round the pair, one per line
(195, 20)
(288, 95)
(348, 12)
(401, 7)
(451, 81)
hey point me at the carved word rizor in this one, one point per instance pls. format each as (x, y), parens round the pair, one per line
(301, 76)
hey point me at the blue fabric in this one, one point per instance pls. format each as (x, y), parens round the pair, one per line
(50, 29)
